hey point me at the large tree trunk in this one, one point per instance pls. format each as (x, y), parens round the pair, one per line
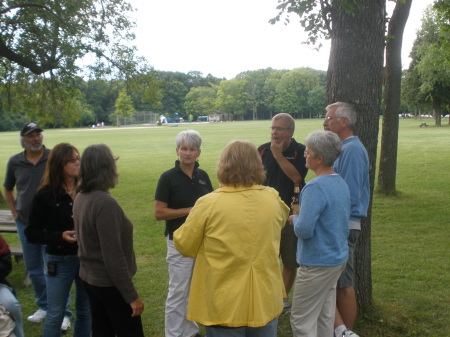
(355, 76)
(392, 90)
(437, 107)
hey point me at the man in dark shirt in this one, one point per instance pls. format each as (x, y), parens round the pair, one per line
(284, 163)
(24, 172)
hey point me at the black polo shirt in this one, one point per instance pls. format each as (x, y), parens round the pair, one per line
(177, 190)
(275, 176)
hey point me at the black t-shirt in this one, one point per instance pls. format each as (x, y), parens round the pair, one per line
(177, 190)
(276, 177)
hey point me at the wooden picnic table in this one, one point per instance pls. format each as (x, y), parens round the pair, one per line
(7, 223)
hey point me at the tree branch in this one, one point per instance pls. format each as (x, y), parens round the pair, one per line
(25, 61)
(325, 9)
(8, 9)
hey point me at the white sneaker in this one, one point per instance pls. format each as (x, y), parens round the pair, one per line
(38, 316)
(65, 324)
(349, 333)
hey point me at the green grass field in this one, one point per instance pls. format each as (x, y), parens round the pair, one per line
(410, 232)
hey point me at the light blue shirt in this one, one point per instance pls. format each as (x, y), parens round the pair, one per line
(353, 166)
(322, 225)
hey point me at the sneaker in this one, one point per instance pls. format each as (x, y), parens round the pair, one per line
(349, 333)
(65, 324)
(38, 316)
(286, 306)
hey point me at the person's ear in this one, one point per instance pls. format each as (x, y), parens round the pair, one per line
(344, 121)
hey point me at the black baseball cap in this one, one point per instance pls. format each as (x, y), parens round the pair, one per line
(29, 128)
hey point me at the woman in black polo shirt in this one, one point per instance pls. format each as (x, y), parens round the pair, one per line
(178, 190)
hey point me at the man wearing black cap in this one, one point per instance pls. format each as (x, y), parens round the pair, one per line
(24, 172)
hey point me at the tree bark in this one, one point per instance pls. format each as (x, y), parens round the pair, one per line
(437, 107)
(392, 90)
(355, 76)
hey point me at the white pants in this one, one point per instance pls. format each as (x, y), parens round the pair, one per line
(314, 301)
(180, 273)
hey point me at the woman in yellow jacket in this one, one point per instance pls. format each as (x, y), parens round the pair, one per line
(234, 232)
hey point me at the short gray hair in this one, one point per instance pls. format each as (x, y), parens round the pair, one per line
(190, 138)
(289, 119)
(326, 144)
(344, 110)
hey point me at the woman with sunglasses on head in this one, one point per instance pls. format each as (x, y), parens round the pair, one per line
(51, 224)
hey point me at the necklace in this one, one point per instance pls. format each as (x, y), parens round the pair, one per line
(71, 192)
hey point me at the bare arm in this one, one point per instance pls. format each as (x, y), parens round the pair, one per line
(289, 170)
(10, 200)
(162, 212)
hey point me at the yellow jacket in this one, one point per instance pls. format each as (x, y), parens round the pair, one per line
(235, 235)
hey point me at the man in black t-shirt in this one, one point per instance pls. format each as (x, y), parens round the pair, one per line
(284, 163)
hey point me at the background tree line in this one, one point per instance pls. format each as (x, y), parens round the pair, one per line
(251, 95)
(35, 85)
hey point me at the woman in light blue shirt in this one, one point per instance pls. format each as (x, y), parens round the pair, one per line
(322, 230)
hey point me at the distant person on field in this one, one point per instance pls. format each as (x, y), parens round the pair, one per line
(51, 224)
(105, 248)
(24, 172)
(353, 166)
(322, 231)
(177, 191)
(234, 234)
(7, 295)
(284, 163)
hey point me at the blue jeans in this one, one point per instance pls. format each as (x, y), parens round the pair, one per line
(33, 256)
(268, 330)
(11, 303)
(58, 286)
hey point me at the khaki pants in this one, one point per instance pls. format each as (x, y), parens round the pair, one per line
(314, 301)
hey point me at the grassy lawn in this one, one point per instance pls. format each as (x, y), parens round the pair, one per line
(410, 232)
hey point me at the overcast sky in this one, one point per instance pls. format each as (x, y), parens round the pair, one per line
(224, 38)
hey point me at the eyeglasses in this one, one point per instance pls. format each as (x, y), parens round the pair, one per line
(73, 160)
(328, 118)
(277, 128)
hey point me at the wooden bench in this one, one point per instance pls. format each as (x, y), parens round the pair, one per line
(8, 225)
(424, 124)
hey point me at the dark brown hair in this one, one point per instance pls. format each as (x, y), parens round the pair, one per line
(98, 169)
(53, 177)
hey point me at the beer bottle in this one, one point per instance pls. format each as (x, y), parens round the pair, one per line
(295, 206)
